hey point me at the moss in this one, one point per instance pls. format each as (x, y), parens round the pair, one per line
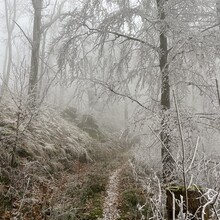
(130, 197)
(182, 188)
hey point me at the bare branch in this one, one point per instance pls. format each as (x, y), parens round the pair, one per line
(121, 35)
(129, 97)
(29, 40)
(54, 18)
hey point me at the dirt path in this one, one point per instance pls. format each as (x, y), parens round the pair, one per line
(110, 211)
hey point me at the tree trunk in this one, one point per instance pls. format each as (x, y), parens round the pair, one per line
(195, 200)
(4, 71)
(218, 10)
(33, 78)
(8, 53)
(42, 66)
(167, 160)
(8, 68)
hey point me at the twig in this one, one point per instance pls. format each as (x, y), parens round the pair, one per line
(29, 40)
(217, 88)
(122, 35)
(183, 151)
(105, 85)
(194, 155)
(206, 29)
(212, 203)
(157, 209)
(129, 97)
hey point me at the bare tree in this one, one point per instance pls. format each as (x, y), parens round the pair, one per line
(111, 33)
(142, 45)
(33, 78)
(47, 26)
(10, 17)
(167, 160)
(218, 11)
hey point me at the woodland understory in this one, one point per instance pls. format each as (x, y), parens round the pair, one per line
(110, 109)
(59, 165)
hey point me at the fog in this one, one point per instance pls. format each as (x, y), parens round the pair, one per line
(91, 88)
(122, 62)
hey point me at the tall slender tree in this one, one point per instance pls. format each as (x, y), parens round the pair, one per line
(167, 159)
(33, 77)
(10, 18)
(46, 28)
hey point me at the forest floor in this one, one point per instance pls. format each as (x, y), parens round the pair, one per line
(123, 196)
(61, 171)
(104, 190)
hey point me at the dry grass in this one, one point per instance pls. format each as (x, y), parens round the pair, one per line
(51, 155)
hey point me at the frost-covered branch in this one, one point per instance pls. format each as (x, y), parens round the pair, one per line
(127, 37)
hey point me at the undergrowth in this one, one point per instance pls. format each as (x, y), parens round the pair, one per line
(133, 203)
(87, 192)
(60, 172)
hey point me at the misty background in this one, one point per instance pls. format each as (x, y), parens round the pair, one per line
(95, 63)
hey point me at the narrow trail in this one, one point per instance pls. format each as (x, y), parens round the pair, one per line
(110, 210)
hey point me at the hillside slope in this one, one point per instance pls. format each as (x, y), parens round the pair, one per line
(48, 164)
